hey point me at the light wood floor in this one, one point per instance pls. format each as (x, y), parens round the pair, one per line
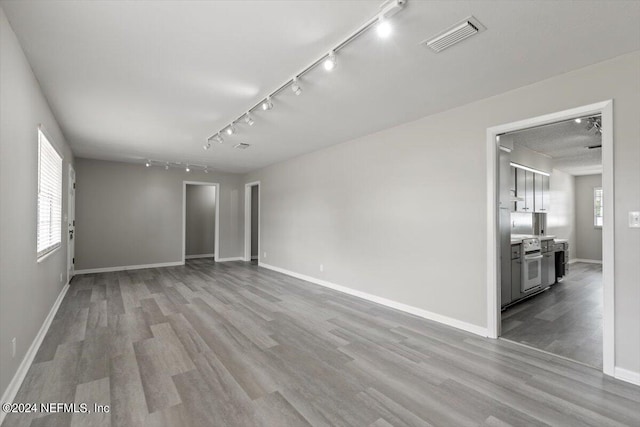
(564, 320)
(236, 345)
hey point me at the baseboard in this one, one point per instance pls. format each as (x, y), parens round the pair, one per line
(13, 387)
(475, 329)
(198, 256)
(621, 374)
(128, 267)
(235, 258)
(588, 261)
(254, 257)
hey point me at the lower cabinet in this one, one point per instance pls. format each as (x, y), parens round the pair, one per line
(516, 279)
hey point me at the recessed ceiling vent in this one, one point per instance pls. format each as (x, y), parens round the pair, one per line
(242, 146)
(455, 34)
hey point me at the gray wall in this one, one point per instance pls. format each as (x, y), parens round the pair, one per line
(28, 289)
(200, 219)
(561, 219)
(255, 204)
(588, 238)
(365, 208)
(127, 214)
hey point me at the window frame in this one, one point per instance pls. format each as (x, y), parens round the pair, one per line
(598, 194)
(43, 136)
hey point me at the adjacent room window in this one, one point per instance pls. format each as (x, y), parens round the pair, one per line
(49, 232)
(597, 207)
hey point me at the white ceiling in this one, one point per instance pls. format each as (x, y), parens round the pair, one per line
(566, 143)
(129, 80)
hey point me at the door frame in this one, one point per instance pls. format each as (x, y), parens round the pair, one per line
(71, 207)
(216, 237)
(247, 218)
(605, 108)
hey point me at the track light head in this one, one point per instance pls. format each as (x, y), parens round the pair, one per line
(295, 86)
(383, 28)
(206, 146)
(230, 129)
(248, 119)
(267, 104)
(578, 120)
(219, 138)
(166, 167)
(147, 164)
(330, 62)
(187, 169)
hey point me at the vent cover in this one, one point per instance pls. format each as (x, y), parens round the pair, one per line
(455, 34)
(242, 146)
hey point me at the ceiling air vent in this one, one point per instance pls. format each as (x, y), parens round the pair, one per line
(455, 34)
(242, 146)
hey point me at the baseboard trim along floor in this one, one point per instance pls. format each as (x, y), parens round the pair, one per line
(627, 375)
(128, 267)
(468, 327)
(588, 261)
(235, 258)
(198, 256)
(13, 387)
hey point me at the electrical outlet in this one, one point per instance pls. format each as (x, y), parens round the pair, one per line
(321, 268)
(13, 347)
(60, 277)
(264, 255)
(634, 219)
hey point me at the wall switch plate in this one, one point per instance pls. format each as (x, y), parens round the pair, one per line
(264, 255)
(321, 267)
(13, 347)
(60, 277)
(634, 219)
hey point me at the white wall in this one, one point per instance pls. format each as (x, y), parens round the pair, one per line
(365, 208)
(127, 214)
(588, 238)
(561, 219)
(28, 289)
(200, 219)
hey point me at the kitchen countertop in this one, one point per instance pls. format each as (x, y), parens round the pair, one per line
(516, 239)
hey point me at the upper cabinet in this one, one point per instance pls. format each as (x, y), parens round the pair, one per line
(532, 191)
(541, 191)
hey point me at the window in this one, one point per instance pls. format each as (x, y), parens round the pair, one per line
(597, 207)
(49, 232)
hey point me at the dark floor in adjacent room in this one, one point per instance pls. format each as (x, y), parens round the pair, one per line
(234, 344)
(565, 320)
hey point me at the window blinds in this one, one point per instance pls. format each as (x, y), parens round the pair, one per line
(49, 196)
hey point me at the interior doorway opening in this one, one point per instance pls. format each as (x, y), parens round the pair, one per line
(252, 222)
(549, 288)
(201, 206)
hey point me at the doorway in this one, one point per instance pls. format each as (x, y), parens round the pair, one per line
(252, 222)
(604, 113)
(200, 232)
(71, 223)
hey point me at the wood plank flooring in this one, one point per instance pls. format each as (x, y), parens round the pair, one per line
(564, 320)
(236, 345)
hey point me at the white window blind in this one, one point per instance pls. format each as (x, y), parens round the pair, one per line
(49, 196)
(597, 207)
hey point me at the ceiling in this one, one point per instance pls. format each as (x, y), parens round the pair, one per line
(566, 143)
(130, 80)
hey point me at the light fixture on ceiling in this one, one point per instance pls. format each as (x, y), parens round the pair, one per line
(166, 166)
(383, 27)
(578, 120)
(267, 104)
(207, 145)
(148, 163)
(330, 63)
(248, 119)
(187, 169)
(230, 129)
(206, 170)
(295, 86)
(219, 138)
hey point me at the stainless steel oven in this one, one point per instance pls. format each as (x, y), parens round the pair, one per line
(531, 265)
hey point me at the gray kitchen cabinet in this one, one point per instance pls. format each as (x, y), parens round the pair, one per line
(524, 190)
(516, 279)
(541, 193)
